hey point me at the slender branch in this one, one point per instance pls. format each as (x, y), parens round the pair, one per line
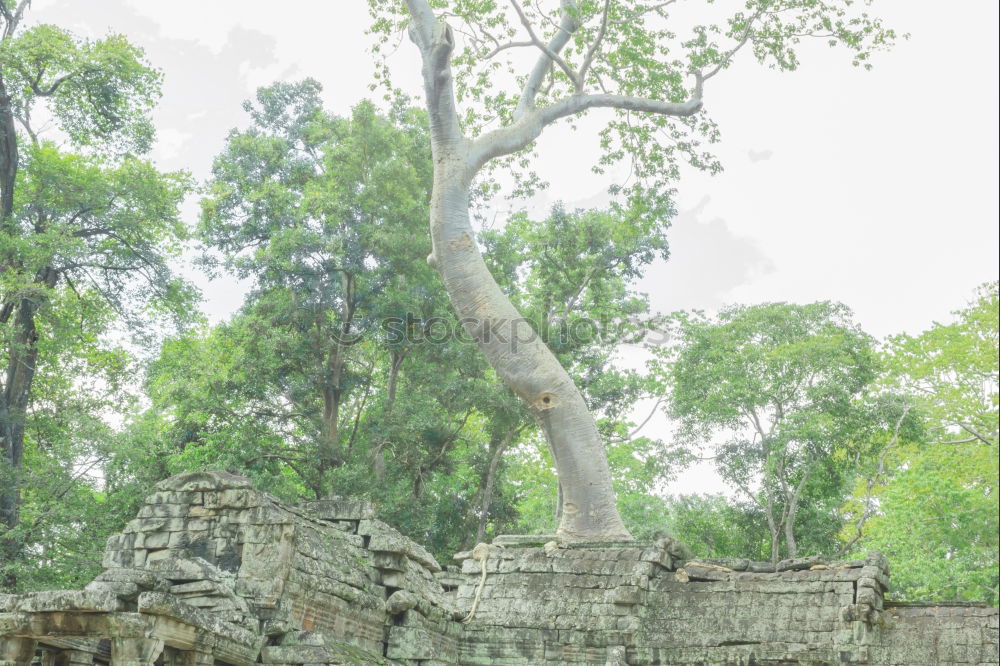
(47, 92)
(727, 59)
(567, 26)
(642, 12)
(569, 106)
(642, 425)
(510, 139)
(972, 431)
(961, 441)
(504, 47)
(549, 53)
(866, 501)
(592, 51)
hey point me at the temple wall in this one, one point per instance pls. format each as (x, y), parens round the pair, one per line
(212, 571)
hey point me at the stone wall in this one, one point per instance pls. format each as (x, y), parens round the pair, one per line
(214, 571)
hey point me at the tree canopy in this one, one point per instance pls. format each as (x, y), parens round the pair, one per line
(785, 392)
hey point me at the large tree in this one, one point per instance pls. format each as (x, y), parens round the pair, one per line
(319, 211)
(786, 395)
(488, 106)
(85, 227)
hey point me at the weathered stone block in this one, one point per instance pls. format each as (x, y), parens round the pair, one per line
(628, 595)
(297, 654)
(400, 601)
(194, 481)
(381, 537)
(340, 509)
(102, 601)
(239, 498)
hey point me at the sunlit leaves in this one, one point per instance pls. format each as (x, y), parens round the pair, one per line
(937, 517)
(100, 92)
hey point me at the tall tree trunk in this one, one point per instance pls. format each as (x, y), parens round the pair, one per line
(20, 359)
(330, 432)
(21, 363)
(333, 389)
(519, 356)
(396, 359)
(772, 527)
(8, 155)
(793, 509)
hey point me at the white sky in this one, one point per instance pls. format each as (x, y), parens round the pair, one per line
(877, 189)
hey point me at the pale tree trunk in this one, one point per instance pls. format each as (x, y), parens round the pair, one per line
(333, 389)
(793, 509)
(396, 359)
(498, 446)
(520, 358)
(516, 353)
(773, 528)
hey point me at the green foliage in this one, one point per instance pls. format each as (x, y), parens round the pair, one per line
(713, 526)
(950, 370)
(100, 93)
(785, 394)
(938, 524)
(937, 518)
(87, 229)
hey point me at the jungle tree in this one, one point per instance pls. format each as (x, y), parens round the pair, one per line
(84, 227)
(787, 393)
(486, 109)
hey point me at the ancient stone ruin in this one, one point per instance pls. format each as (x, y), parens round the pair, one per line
(215, 572)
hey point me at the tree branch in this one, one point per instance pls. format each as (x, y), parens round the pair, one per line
(436, 42)
(549, 53)
(567, 26)
(642, 425)
(513, 138)
(726, 59)
(592, 51)
(870, 487)
(12, 20)
(423, 22)
(569, 106)
(972, 431)
(504, 47)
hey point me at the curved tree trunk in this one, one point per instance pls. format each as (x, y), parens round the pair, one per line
(518, 355)
(511, 346)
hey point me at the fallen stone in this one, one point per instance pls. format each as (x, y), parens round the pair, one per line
(400, 601)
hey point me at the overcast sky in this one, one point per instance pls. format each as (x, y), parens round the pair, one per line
(877, 189)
